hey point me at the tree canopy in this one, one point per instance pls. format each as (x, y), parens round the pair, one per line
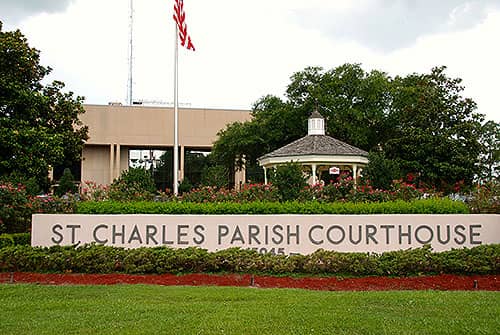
(39, 125)
(436, 132)
(489, 162)
(422, 122)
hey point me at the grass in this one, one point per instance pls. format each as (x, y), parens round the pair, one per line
(142, 309)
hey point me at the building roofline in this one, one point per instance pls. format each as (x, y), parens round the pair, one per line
(169, 107)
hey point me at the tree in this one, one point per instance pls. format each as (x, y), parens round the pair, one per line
(381, 171)
(273, 125)
(163, 171)
(489, 160)
(133, 184)
(216, 176)
(353, 102)
(195, 164)
(435, 133)
(66, 184)
(39, 125)
(420, 121)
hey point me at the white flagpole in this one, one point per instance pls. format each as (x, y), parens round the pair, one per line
(131, 54)
(176, 113)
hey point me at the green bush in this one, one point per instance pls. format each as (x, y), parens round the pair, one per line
(425, 206)
(185, 186)
(15, 239)
(133, 184)
(215, 176)
(66, 184)
(417, 261)
(289, 180)
(381, 171)
(6, 240)
(484, 259)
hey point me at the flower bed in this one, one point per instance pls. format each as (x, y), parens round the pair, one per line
(438, 282)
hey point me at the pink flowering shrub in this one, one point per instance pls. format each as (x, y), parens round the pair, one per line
(248, 193)
(207, 194)
(485, 198)
(257, 192)
(91, 191)
(402, 190)
(366, 193)
(314, 192)
(343, 189)
(17, 206)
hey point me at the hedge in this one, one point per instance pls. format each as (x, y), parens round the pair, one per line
(15, 239)
(484, 259)
(423, 206)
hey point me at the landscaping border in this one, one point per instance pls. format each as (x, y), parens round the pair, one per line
(480, 260)
(444, 282)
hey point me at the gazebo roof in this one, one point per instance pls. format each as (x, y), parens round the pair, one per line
(315, 115)
(316, 145)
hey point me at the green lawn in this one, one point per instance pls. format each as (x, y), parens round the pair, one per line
(141, 309)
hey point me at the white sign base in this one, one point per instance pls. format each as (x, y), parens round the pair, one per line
(280, 234)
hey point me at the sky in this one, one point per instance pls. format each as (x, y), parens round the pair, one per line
(248, 49)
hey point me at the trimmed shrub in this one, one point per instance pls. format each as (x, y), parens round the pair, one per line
(6, 240)
(93, 258)
(15, 239)
(425, 206)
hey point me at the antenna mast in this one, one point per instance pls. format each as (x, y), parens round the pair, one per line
(130, 54)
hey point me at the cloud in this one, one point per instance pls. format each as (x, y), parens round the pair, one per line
(387, 25)
(14, 11)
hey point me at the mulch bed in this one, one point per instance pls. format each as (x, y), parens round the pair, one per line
(438, 282)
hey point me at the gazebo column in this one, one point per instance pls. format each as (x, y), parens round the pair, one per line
(265, 175)
(355, 174)
(313, 167)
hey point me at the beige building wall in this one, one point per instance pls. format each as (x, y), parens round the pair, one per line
(114, 129)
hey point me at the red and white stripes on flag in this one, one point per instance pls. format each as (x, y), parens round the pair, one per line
(180, 20)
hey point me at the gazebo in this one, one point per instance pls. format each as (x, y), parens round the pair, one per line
(319, 154)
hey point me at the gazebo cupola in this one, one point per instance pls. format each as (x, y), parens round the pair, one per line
(316, 124)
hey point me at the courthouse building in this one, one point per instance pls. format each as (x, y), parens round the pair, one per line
(124, 136)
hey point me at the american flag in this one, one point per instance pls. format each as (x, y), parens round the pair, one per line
(180, 20)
